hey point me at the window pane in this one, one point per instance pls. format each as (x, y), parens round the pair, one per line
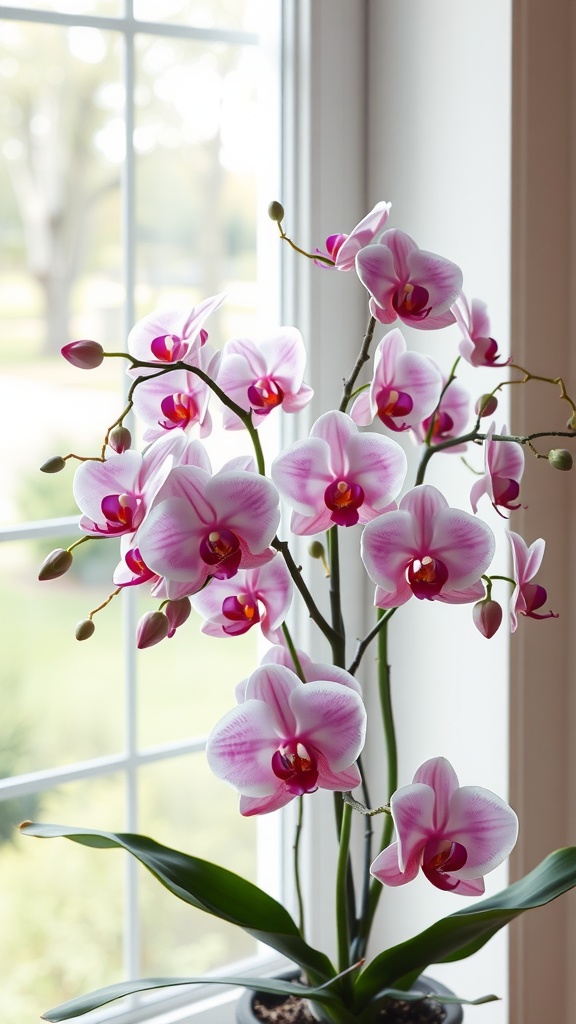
(102, 7)
(187, 683)
(60, 112)
(244, 15)
(196, 123)
(64, 697)
(61, 912)
(184, 806)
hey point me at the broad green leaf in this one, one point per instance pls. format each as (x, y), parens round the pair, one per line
(461, 934)
(93, 1000)
(210, 888)
(414, 997)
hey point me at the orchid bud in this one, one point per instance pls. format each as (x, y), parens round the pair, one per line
(487, 617)
(316, 550)
(120, 439)
(84, 629)
(177, 612)
(560, 459)
(152, 628)
(84, 354)
(572, 422)
(276, 211)
(53, 465)
(486, 405)
(55, 564)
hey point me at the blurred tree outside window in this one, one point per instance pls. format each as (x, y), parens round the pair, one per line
(132, 176)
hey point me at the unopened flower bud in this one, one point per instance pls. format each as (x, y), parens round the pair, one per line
(177, 612)
(152, 628)
(84, 629)
(560, 459)
(487, 617)
(53, 465)
(55, 564)
(572, 422)
(84, 354)
(120, 439)
(276, 211)
(316, 550)
(486, 405)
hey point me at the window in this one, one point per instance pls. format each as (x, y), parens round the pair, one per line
(134, 173)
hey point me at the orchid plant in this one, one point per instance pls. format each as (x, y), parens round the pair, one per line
(207, 539)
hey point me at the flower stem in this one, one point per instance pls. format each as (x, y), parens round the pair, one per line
(296, 850)
(339, 641)
(342, 890)
(363, 357)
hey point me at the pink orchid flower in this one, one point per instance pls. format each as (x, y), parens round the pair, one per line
(114, 495)
(527, 597)
(288, 738)
(503, 469)
(338, 475)
(407, 282)
(426, 549)
(405, 388)
(205, 526)
(456, 834)
(252, 597)
(167, 336)
(449, 420)
(263, 376)
(477, 346)
(342, 249)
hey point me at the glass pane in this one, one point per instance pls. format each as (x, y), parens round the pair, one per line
(64, 697)
(184, 806)
(109, 7)
(62, 911)
(187, 683)
(244, 15)
(61, 136)
(195, 137)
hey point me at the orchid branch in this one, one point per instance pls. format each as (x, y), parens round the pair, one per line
(363, 357)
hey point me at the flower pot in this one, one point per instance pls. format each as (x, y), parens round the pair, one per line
(260, 1008)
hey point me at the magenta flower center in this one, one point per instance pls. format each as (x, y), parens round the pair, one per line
(344, 499)
(169, 348)
(333, 245)
(535, 596)
(443, 424)
(410, 302)
(264, 395)
(441, 857)
(391, 404)
(242, 611)
(138, 566)
(179, 409)
(505, 491)
(221, 549)
(426, 576)
(297, 767)
(123, 512)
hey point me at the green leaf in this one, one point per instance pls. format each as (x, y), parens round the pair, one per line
(210, 888)
(414, 996)
(93, 1000)
(463, 933)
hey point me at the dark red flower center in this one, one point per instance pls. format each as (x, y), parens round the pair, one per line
(442, 425)
(179, 409)
(122, 512)
(410, 302)
(344, 499)
(333, 245)
(535, 596)
(426, 576)
(297, 767)
(221, 550)
(242, 611)
(441, 857)
(138, 567)
(169, 348)
(264, 395)
(393, 405)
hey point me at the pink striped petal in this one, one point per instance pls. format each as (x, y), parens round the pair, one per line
(275, 685)
(439, 774)
(332, 718)
(387, 870)
(247, 504)
(379, 465)
(362, 235)
(388, 544)
(302, 473)
(240, 747)
(485, 825)
(413, 813)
